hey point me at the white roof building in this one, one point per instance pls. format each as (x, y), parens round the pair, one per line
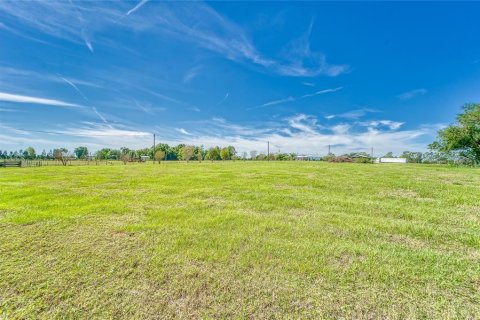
(391, 160)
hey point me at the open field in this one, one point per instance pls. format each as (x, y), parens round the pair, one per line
(240, 240)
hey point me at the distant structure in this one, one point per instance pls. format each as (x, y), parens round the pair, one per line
(302, 158)
(391, 160)
(144, 158)
(307, 158)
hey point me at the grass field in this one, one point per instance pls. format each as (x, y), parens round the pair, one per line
(240, 240)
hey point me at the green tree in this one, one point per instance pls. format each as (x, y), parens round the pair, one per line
(62, 155)
(103, 154)
(389, 155)
(29, 153)
(213, 153)
(159, 155)
(412, 157)
(462, 136)
(225, 154)
(81, 152)
(125, 155)
(199, 154)
(232, 151)
(187, 152)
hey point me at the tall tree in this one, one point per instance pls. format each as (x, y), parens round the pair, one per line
(81, 152)
(462, 136)
(159, 155)
(187, 152)
(199, 154)
(29, 153)
(62, 155)
(412, 157)
(225, 154)
(213, 153)
(231, 151)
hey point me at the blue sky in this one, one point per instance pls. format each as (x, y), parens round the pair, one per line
(300, 75)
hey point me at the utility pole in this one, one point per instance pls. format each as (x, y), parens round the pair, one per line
(328, 149)
(153, 153)
(371, 152)
(268, 150)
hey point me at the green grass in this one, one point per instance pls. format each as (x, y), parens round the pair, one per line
(240, 240)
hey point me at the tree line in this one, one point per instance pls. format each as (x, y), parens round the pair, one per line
(458, 143)
(182, 152)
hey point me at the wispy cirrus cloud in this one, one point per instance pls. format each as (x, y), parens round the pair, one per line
(279, 101)
(21, 34)
(138, 6)
(223, 99)
(183, 131)
(194, 22)
(304, 62)
(351, 115)
(412, 94)
(87, 41)
(292, 99)
(104, 120)
(10, 110)
(71, 21)
(192, 74)
(321, 92)
(70, 83)
(94, 109)
(36, 100)
(392, 125)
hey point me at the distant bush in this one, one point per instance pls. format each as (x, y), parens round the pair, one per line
(363, 160)
(340, 159)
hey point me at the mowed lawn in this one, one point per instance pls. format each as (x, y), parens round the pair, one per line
(240, 240)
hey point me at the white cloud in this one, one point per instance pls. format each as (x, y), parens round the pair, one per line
(138, 6)
(21, 75)
(412, 94)
(195, 22)
(183, 131)
(351, 115)
(303, 133)
(340, 129)
(75, 87)
(300, 133)
(308, 84)
(292, 99)
(99, 115)
(35, 100)
(192, 74)
(223, 100)
(9, 110)
(88, 43)
(304, 123)
(274, 102)
(304, 62)
(392, 125)
(322, 92)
